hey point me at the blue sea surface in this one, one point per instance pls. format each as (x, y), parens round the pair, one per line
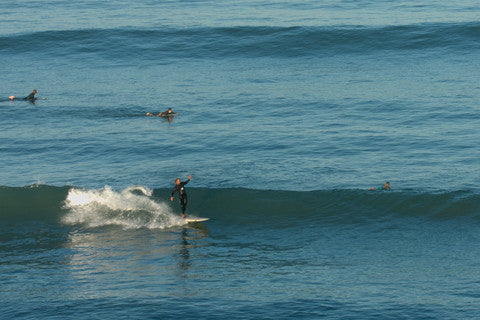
(288, 113)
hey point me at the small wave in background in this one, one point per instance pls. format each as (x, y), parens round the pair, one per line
(143, 45)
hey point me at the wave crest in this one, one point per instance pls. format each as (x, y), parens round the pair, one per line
(243, 41)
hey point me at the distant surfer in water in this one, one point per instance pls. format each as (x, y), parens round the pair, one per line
(180, 188)
(385, 187)
(168, 113)
(30, 97)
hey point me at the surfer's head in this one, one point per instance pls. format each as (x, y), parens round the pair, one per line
(177, 181)
(169, 110)
(34, 91)
(11, 97)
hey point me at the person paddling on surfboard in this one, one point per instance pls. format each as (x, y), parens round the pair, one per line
(180, 188)
(30, 97)
(167, 113)
(385, 187)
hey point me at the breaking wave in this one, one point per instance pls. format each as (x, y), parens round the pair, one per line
(130, 208)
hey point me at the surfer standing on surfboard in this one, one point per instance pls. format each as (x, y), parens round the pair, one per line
(180, 188)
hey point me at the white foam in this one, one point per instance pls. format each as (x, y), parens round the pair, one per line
(130, 208)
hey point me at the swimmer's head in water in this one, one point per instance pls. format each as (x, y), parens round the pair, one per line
(11, 97)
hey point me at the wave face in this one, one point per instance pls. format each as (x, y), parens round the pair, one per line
(139, 207)
(335, 206)
(244, 42)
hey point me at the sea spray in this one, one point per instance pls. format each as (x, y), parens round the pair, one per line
(131, 208)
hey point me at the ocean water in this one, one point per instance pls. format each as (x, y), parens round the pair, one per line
(288, 113)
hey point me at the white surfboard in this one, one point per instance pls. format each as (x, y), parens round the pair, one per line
(194, 219)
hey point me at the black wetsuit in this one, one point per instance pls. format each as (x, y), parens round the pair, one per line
(182, 194)
(30, 97)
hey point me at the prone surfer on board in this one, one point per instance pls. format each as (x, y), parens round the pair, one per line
(385, 187)
(180, 188)
(168, 113)
(30, 97)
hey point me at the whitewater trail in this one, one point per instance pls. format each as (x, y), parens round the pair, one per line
(131, 208)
